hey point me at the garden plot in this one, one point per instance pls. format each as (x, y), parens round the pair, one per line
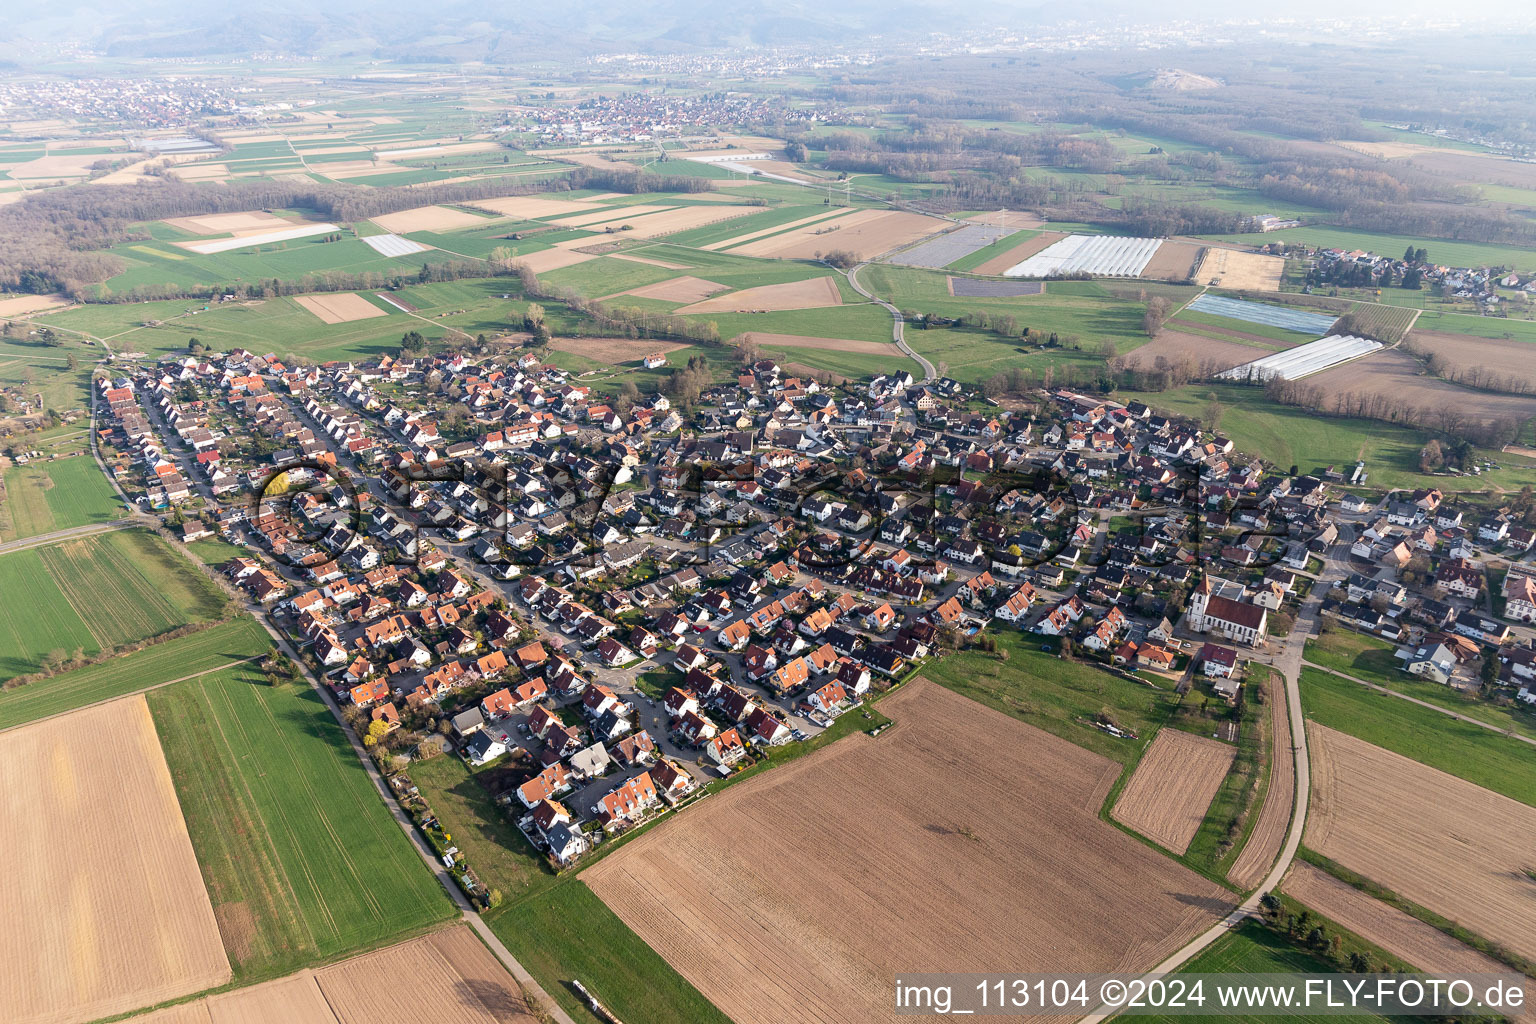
(944, 250)
(394, 246)
(261, 238)
(105, 907)
(339, 309)
(958, 840)
(1313, 357)
(1099, 255)
(1298, 320)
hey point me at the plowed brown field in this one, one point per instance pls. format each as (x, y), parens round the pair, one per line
(613, 350)
(958, 840)
(1268, 834)
(1206, 356)
(1173, 261)
(865, 233)
(1458, 849)
(809, 294)
(1395, 380)
(679, 289)
(1233, 268)
(340, 308)
(447, 977)
(1172, 786)
(105, 909)
(1422, 946)
(1481, 362)
(1019, 253)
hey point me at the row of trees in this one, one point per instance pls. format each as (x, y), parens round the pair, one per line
(1450, 417)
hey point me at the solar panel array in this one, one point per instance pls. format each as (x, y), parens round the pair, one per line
(1099, 255)
(1298, 320)
(1296, 363)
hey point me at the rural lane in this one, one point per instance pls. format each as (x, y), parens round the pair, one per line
(1288, 662)
(897, 322)
(534, 992)
(58, 535)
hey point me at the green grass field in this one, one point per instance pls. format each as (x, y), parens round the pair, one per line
(300, 856)
(567, 933)
(95, 593)
(1480, 756)
(1285, 435)
(1058, 696)
(1371, 659)
(1251, 948)
(153, 666)
(60, 495)
(1456, 254)
(1477, 326)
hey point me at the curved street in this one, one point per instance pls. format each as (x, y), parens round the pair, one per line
(896, 325)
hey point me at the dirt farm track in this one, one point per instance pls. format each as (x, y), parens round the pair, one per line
(1458, 849)
(957, 840)
(104, 903)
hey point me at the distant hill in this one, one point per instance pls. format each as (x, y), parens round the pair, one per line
(471, 30)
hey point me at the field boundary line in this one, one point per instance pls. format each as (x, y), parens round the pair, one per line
(131, 693)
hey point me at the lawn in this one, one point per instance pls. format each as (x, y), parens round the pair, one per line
(116, 677)
(566, 933)
(94, 593)
(495, 849)
(1482, 757)
(1252, 948)
(213, 551)
(46, 496)
(1061, 697)
(1285, 435)
(300, 856)
(1372, 660)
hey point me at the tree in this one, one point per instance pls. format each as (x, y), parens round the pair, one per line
(1156, 315)
(1213, 412)
(1270, 904)
(1360, 962)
